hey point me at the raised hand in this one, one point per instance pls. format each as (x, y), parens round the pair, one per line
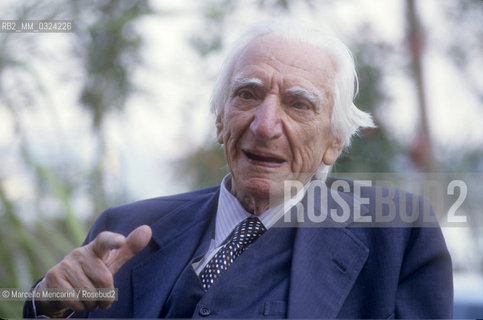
(91, 266)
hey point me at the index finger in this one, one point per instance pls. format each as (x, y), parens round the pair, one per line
(106, 241)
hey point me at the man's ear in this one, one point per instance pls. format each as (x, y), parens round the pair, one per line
(333, 151)
(219, 128)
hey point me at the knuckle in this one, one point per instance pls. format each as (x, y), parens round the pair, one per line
(53, 276)
(50, 277)
(66, 264)
(78, 253)
(105, 278)
(102, 236)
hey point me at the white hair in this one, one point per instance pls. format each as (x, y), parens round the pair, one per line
(346, 119)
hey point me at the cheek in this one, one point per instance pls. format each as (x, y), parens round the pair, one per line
(230, 150)
(235, 125)
(312, 156)
(323, 139)
(308, 147)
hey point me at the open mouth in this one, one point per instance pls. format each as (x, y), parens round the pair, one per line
(264, 159)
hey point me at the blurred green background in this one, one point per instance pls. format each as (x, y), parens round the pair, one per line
(117, 110)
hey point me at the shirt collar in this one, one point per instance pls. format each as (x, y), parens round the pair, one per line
(230, 212)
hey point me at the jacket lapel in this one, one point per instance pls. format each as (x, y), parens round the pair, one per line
(326, 262)
(180, 235)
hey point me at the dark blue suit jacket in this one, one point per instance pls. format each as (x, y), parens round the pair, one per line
(343, 271)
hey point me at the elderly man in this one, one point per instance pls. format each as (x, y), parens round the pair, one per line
(284, 112)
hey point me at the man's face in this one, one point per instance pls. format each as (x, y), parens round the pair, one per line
(276, 121)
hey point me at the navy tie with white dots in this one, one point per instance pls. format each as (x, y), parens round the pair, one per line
(244, 234)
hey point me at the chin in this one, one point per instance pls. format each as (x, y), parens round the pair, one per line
(264, 188)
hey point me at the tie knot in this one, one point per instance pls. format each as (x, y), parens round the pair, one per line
(247, 231)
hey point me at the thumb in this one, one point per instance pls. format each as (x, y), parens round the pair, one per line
(137, 240)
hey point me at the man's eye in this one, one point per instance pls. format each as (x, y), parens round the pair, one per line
(300, 105)
(245, 94)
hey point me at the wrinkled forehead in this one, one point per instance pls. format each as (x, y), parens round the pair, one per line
(289, 58)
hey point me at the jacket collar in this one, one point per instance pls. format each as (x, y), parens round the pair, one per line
(326, 262)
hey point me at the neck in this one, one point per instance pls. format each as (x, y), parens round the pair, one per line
(255, 205)
(252, 205)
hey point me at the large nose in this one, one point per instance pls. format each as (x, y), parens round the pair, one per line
(267, 122)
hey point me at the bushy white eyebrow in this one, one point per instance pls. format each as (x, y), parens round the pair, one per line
(312, 97)
(240, 82)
